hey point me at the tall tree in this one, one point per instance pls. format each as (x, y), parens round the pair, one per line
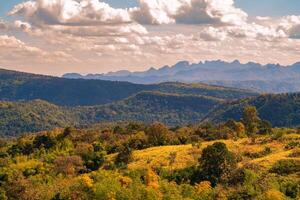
(251, 120)
(217, 163)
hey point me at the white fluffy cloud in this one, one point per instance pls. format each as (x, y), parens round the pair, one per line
(70, 12)
(188, 12)
(95, 12)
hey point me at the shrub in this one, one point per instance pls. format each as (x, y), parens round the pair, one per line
(237, 127)
(187, 175)
(274, 195)
(124, 156)
(265, 127)
(45, 141)
(290, 187)
(284, 167)
(266, 151)
(295, 153)
(95, 160)
(138, 141)
(68, 165)
(292, 145)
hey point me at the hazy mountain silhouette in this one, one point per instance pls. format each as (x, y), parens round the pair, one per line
(273, 78)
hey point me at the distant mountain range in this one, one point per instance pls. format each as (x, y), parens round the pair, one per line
(270, 78)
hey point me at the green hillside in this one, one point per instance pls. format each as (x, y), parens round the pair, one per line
(280, 109)
(172, 109)
(18, 86)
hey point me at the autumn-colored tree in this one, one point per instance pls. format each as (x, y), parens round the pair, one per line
(157, 134)
(68, 165)
(237, 128)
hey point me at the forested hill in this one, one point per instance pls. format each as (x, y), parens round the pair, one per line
(172, 109)
(16, 86)
(21, 117)
(280, 109)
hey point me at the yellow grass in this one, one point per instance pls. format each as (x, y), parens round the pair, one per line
(187, 155)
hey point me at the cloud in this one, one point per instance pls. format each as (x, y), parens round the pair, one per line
(3, 25)
(70, 12)
(220, 12)
(213, 34)
(15, 50)
(155, 33)
(295, 32)
(95, 12)
(291, 25)
(24, 26)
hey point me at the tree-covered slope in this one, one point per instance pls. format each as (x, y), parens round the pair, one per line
(227, 93)
(280, 109)
(172, 109)
(19, 117)
(16, 86)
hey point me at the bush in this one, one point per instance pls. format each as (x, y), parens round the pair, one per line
(285, 167)
(68, 165)
(187, 175)
(292, 145)
(274, 195)
(266, 151)
(45, 141)
(290, 188)
(295, 153)
(124, 156)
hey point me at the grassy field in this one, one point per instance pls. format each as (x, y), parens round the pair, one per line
(188, 155)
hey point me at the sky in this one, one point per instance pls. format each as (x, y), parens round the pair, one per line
(93, 36)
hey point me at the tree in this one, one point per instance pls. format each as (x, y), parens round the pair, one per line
(217, 163)
(251, 120)
(265, 127)
(68, 165)
(45, 141)
(237, 127)
(124, 156)
(157, 134)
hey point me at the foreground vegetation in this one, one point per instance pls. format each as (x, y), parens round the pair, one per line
(245, 159)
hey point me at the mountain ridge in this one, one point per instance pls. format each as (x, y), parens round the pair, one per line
(287, 78)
